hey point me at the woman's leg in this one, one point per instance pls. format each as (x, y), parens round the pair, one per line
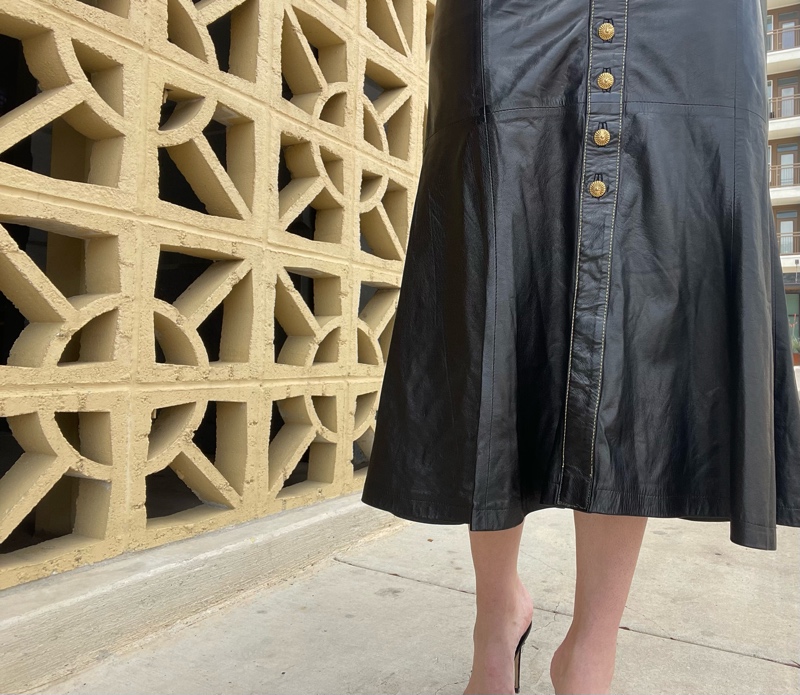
(607, 548)
(504, 610)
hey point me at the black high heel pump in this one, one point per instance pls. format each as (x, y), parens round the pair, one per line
(517, 655)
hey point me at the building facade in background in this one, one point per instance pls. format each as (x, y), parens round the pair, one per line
(783, 89)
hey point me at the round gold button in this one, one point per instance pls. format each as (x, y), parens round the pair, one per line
(602, 137)
(597, 189)
(606, 31)
(605, 80)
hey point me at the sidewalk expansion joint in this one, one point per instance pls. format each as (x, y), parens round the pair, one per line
(780, 662)
(402, 576)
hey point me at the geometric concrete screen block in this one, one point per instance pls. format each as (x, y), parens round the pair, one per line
(204, 212)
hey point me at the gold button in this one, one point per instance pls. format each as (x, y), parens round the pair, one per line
(605, 80)
(602, 137)
(597, 189)
(606, 31)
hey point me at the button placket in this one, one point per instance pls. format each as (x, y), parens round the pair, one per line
(592, 271)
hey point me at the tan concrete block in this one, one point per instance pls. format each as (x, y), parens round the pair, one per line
(71, 472)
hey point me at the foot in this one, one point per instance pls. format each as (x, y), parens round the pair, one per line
(584, 670)
(495, 636)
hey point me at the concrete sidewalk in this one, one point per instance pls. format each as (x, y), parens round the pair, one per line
(395, 615)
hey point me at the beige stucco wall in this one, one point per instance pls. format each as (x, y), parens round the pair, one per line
(86, 400)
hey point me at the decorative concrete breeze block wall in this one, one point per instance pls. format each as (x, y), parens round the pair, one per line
(204, 210)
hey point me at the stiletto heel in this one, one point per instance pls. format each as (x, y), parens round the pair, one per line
(518, 654)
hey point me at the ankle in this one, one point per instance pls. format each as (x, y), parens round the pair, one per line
(502, 615)
(584, 664)
(501, 605)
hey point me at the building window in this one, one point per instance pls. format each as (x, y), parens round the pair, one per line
(793, 309)
(770, 35)
(787, 222)
(787, 31)
(787, 165)
(787, 97)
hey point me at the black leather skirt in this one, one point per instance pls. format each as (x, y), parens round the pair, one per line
(592, 312)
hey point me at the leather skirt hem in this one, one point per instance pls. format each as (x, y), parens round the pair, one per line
(744, 533)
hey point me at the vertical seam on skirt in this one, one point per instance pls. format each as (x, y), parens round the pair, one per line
(735, 125)
(735, 374)
(737, 408)
(578, 246)
(610, 251)
(494, 245)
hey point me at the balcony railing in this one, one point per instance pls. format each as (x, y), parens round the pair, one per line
(781, 39)
(784, 107)
(784, 175)
(789, 243)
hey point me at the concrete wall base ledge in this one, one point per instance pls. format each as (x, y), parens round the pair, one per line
(53, 627)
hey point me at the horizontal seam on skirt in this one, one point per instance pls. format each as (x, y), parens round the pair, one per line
(559, 504)
(710, 106)
(626, 101)
(489, 509)
(434, 501)
(578, 103)
(666, 497)
(451, 504)
(603, 489)
(699, 497)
